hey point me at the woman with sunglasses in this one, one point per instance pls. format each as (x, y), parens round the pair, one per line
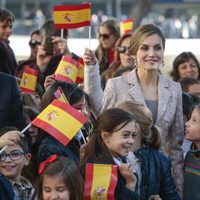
(145, 84)
(31, 61)
(122, 57)
(108, 34)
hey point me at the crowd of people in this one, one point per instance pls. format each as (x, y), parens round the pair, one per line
(137, 119)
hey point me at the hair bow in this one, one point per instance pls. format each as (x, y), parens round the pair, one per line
(46, 162)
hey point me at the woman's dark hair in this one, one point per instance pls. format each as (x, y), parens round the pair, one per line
(70, 174)
(72, 92)
(180, 59)
(27, 100)
(108, 121)
(31, 112)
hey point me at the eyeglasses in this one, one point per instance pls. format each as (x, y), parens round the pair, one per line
(33, 43)
(13, 155)
(104, 36)
(123, 49)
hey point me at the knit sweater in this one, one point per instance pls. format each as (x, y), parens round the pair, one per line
(191, 190)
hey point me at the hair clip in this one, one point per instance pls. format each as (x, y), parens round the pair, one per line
(46, 162)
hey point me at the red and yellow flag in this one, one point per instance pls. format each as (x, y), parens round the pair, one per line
(60, 120)
(80, 75)
(59, 94)
(72, 16)
(67, 70)
(29, 80)
(126, 26)
(100, 181)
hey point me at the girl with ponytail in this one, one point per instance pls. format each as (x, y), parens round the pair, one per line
(155, 180)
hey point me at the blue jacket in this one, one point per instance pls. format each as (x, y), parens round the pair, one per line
(6, 190)
(156, 175)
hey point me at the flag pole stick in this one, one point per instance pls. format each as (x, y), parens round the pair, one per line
(84, 140)
(62, 33)
(4, 148)
(89, 36)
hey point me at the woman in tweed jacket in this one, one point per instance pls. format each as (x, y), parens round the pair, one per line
(146, 85)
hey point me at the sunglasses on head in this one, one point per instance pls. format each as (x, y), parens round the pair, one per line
(122, 49)
(33, 43)
(104, 36)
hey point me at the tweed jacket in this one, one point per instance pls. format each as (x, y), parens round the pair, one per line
(169, 117)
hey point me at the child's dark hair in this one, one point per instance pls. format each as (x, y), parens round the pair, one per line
(70, 174)
(108, 121)
(24, 142)
(6, 15)
(72, 92)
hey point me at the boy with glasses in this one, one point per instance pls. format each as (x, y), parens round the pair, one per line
(12, 161)
(8, 62)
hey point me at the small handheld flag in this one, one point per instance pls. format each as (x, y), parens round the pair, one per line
(67, 70)
(59, 94)
(100, 181)
(80, 75)
(29, 80)
(72, 16)
(60, 120)
(126, 26)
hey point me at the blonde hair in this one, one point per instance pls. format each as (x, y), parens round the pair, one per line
(143, 32)
(150, 134)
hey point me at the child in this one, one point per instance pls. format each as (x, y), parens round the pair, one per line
(12, 161)
(60, 179)
(192, 160)
(109, 144)
(155, 180)
(8, 62)
(6, 189)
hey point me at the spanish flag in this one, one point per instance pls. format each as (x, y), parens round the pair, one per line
(72, 16)
(100, 181)
(67, 70)
(29, 80)
(59, 94)
(126, 26)
(80, 75)
(60, 120)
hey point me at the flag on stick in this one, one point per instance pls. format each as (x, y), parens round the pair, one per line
(59, 94)
(72, 16)
(67, 70)
(126, 26)
(80, 75)
(100, 181)
(29, 80)
(60, 120)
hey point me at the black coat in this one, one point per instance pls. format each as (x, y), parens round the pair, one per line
(8, 62)
(10, 104)
(156, 175)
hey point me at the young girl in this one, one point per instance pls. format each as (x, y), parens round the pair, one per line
(110, 143)
(192, 160)
(155, 180)
(60, 179)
